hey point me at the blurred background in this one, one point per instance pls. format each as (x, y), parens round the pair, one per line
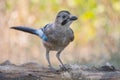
(97, 31)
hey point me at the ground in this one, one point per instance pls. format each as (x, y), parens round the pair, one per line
(34, 71)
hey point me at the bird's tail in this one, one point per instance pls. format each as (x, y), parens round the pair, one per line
(25, 29)
(38, 32)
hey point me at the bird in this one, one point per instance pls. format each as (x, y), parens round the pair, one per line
(55, 36)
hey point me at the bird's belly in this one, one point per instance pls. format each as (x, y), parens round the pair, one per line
(59, 45)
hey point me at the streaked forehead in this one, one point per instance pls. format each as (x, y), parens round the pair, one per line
(64, 12)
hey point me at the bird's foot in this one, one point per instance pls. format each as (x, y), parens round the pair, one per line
(63, 68)
(52, 69)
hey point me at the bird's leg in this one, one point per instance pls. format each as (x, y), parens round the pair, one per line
(58, 57)
(48, 59)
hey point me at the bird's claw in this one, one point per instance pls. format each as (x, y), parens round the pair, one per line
(63, 68)
(53, 69)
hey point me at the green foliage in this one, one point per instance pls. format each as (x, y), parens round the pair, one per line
(8, 5)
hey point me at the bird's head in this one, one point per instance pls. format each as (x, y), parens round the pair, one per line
(64, 18)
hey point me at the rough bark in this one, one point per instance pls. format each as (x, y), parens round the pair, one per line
(34, 71)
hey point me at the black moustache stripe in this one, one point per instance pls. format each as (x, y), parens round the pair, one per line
(64, 22)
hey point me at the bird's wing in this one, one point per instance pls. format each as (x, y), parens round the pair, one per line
(42, 32)
(71, 34)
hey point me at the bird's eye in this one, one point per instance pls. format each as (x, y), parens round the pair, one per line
(64, 17)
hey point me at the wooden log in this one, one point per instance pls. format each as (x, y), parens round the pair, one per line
(34, 71)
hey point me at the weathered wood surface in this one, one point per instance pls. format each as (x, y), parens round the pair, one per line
(34, 71)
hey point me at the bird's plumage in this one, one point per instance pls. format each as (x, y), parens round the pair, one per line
(56, 36)
(38, 32)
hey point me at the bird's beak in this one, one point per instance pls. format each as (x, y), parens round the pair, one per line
(73, 18)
